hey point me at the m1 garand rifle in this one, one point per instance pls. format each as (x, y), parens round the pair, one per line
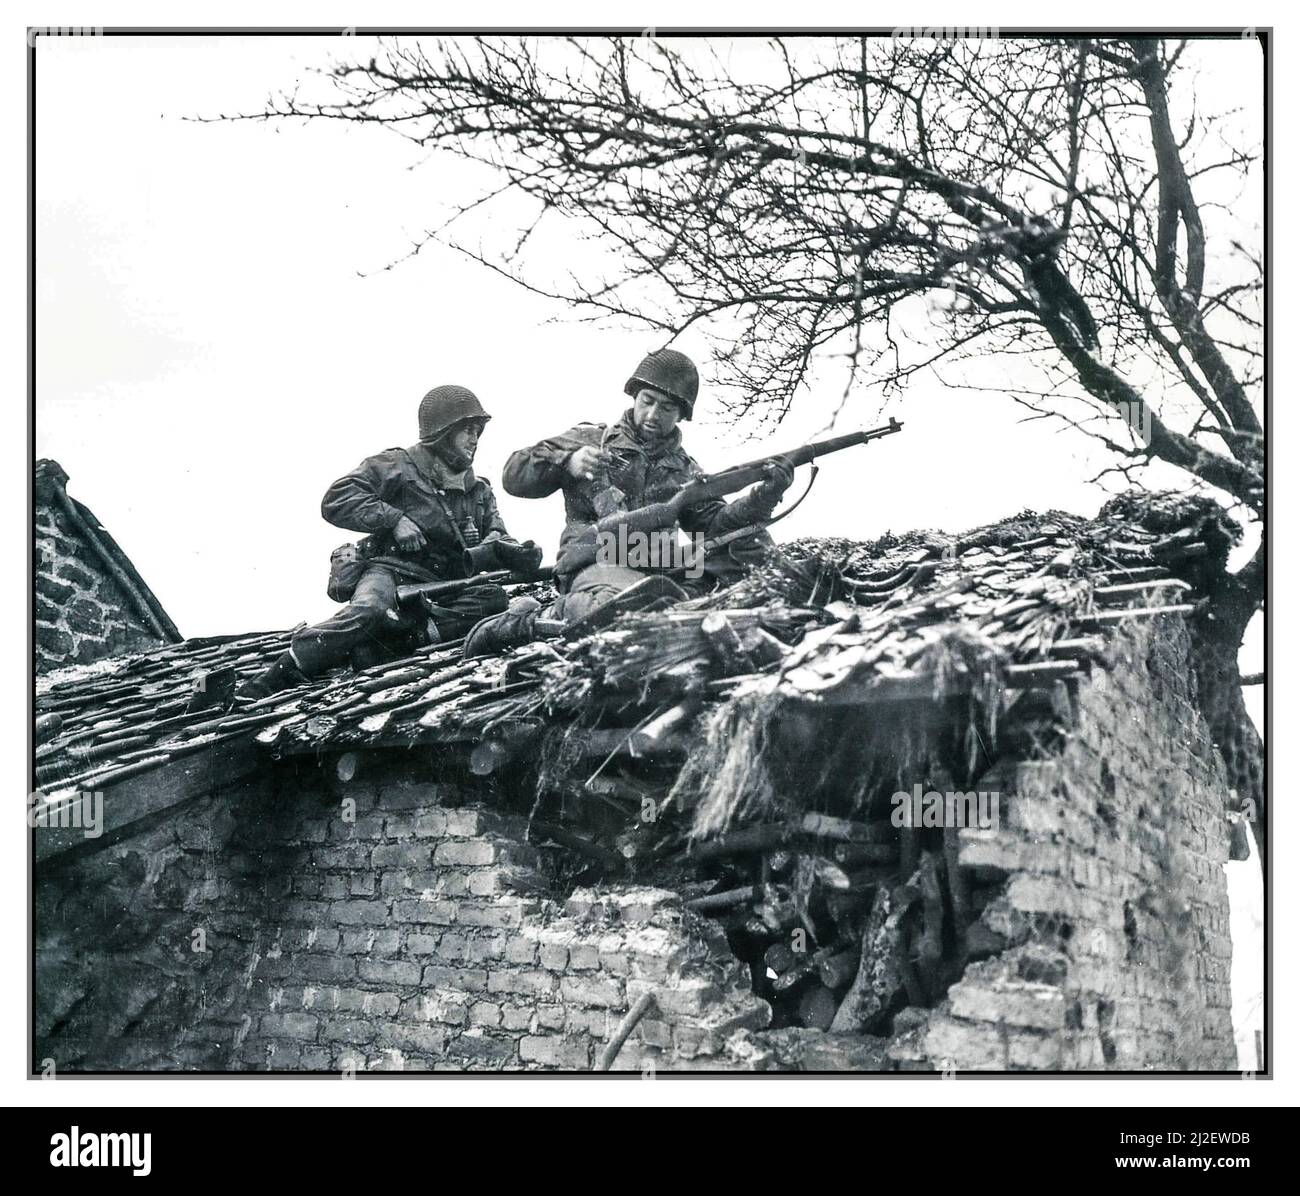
(659, 515)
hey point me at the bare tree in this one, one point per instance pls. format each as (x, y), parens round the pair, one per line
(903, 204)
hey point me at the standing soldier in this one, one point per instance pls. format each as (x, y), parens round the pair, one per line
(430, 519)
(605, 468)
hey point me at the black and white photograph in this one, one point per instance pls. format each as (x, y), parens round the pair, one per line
(652, 552)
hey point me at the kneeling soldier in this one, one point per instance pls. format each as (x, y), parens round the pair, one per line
(605, 468)
(430, 519)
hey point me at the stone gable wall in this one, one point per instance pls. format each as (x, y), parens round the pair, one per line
(82, 613)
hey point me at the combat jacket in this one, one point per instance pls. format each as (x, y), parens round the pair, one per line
(643, 471)
(453, 510)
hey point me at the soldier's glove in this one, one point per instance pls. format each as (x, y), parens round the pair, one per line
(780, 474)
(519, 558)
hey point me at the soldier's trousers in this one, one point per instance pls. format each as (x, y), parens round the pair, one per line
(592, 587)
(597, 584)
(371, 628)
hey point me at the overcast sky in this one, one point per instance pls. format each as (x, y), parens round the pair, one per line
(218, 338)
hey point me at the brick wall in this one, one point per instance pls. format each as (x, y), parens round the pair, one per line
(1115, 906)
(388, 924)
(411, 934)
(82, 613)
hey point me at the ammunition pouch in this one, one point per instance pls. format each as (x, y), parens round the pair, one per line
(347, 565)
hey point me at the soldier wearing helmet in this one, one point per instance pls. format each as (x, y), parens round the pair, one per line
(603, 468)
(428, 518)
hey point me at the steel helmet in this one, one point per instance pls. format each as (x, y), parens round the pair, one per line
(670, 371)
(444, 407)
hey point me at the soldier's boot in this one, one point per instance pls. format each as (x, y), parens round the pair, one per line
(283, 673)
(517, 624)
(443, 628)
(461, 614)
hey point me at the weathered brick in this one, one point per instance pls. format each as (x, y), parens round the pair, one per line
(587, 1021)
(349, 855)
(85, 616)
(516, 1017)
(537, 1049)
(302, 1026)
(966, 1046)
(320, 939)
(525, 981)
(400, 855)
(356, 942)
(351, 829)
(655, 1033)
(485, 1013)
(486, 882)
(328, 969)
(550, 1017)
(432, 824)
(484, 948)
(467, 823)
(420, 911)
(481, 1048)
(56, 591)
(583, 957)
(505, 913)
(389, 971)
(468, 979)
(356, 1000)
(452, 882)
(400, 826)
(521, 951)
(447, 1007)
(334, 888)
(451, 946)
(357, 911)
(553, 957)
(591, 991)
(77, 574)
(427, 1039)
(340, 1030)
(469, 853)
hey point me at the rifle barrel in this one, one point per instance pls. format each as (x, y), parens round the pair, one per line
(435, 589)
(819, 448)
(810, 452)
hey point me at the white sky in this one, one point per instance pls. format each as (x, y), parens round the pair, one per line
(217, 338)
